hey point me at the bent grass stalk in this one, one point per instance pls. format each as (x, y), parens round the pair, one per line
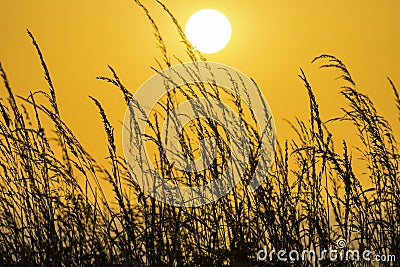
(50, 216)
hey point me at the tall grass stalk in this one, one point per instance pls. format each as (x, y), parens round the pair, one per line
(53, 211)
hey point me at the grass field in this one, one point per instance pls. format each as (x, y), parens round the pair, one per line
(53, 211)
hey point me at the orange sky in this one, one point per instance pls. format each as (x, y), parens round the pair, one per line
(271, 40)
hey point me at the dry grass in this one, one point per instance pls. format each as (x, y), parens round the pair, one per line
(49, 217)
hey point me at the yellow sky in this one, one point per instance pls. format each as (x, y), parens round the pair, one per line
(271, 40)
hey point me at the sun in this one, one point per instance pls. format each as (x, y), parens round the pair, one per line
(208, 30)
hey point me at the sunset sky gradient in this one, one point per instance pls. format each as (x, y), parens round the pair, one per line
(271, 41)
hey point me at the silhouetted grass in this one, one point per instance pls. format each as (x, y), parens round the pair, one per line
(53, 211)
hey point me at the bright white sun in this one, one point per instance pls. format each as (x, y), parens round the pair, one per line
(208, 30)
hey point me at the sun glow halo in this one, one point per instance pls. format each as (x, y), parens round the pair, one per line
(208, 30)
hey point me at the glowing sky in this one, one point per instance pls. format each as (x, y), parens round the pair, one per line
(271, 40)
